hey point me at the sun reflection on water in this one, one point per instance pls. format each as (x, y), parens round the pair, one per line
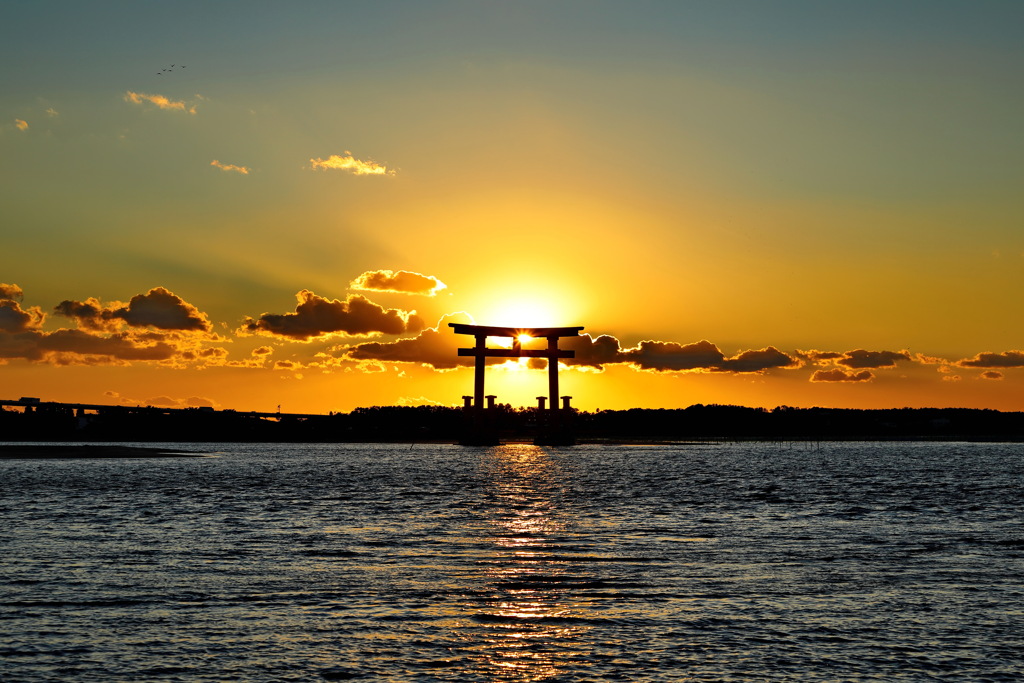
(532, 616)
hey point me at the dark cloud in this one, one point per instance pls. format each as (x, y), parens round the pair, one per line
(402, 281)
(14, 319)
(434, 346)
(872, 359)
(839, 375)
(159, 308)
(758, 361)
(672, 356)
(1006, 359)
(818, 357)
(163, 310)
(590, 352)
(78, 347)
(213, 356)
(316, 316)
(89, 314)
(992, 374)
(703, 355)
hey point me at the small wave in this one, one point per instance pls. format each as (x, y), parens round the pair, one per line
(536, 619)
(321, 552)
(60, 604)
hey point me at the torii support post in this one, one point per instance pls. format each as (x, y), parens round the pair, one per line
(555, 431)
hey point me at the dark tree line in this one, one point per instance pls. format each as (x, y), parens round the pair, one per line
(56, 422)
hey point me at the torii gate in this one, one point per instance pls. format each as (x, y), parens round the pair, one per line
(480, 352)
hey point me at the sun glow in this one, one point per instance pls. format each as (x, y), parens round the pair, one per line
(522, 313)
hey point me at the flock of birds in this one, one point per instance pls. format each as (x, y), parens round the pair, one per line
(171, 68)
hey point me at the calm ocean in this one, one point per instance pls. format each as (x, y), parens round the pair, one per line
(718, 562)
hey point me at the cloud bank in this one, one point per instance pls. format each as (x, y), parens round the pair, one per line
(156, 326)
(437, 347)
(160, 326)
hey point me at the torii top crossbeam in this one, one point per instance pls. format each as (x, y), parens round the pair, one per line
(535, 332)
(480, 352)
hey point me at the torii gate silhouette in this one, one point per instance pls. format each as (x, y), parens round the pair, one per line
(480, 352)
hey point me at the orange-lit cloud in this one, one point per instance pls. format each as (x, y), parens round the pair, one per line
(402, 281)
(161, 101)
(11, 292)
(244, 170)
(316, 316)
(1006, 359)
(839, 375)
(21, 124)
(931, 360)
(992, 374)
(351, 164)
(157, 308)
(436, 347)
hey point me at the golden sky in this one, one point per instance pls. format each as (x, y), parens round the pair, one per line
(248, 205)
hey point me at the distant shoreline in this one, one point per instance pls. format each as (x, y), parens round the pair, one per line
(70, 451)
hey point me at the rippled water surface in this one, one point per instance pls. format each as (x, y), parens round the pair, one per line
(718, 562)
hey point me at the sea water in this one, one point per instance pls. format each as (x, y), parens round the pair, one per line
(712, 562)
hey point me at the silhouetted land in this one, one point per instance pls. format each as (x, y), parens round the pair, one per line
(36, 451)
(63, 422)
